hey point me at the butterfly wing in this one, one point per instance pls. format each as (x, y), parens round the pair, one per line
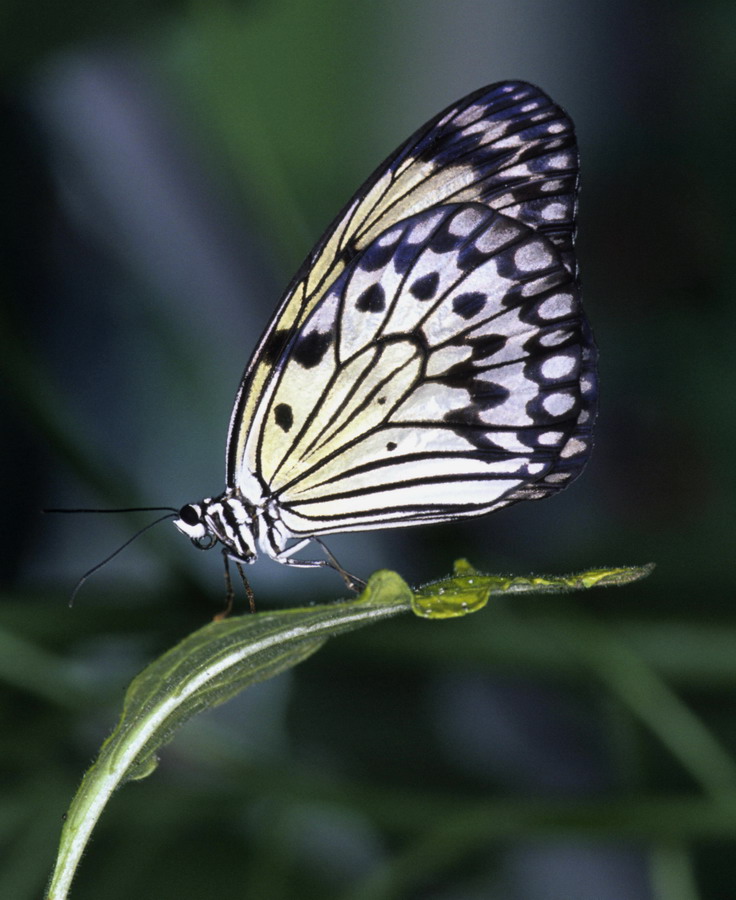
(507, 147)
(446, 372)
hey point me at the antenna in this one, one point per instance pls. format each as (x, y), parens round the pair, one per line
(130, 509)
(170, 513)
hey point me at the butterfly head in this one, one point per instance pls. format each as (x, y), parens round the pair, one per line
(225, 520)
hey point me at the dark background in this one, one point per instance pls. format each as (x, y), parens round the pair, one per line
(164, 169)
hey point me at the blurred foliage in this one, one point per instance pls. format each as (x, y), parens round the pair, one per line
(551, 738)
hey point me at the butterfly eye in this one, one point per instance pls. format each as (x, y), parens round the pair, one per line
(189, 515)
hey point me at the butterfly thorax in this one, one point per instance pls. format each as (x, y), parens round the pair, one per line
(226, 519)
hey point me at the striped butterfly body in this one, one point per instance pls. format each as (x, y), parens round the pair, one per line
(431, 359)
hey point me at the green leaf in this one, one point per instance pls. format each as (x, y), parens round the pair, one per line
(469, 590)
(224, 657)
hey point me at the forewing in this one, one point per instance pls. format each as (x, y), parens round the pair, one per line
(507, 147)
(448, 371)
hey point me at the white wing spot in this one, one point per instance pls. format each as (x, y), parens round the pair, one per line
(511, 140)
(554, 212)
(573, 447)
(464, 222)
(475, 128)
(550, 438)
(556, 127)
(390, 237)
(586, 385)
(496, 236)
(422, 230)
(520, 171)
(471, 114)
(553, 338)
(533, 256)
(558, 404)
(558, 366)
(555, 307)
(557, 477)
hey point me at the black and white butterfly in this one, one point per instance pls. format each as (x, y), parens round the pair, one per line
(431, 359)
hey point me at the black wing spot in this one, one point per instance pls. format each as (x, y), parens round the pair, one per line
(391, 445)
(381, 401)
(283, 416)
(469, 305)
(443, 240)
(348, 252)
(274, 345)
(310, 350)
(373, 299)
(488, 345)
(487, 394)
(425, 288)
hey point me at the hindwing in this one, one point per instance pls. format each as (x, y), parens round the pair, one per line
(447, 371)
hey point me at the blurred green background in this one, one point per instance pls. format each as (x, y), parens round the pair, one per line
(165, 168)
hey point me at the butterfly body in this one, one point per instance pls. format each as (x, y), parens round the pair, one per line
(431, 359)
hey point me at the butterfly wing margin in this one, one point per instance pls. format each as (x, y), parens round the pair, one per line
(507, 146)
(447, 372)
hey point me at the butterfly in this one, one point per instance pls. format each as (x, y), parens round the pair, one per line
(431, 359)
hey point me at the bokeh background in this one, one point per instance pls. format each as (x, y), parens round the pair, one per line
(165, 167)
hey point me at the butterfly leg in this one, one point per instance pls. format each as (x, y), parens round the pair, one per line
(230, 593)
(352, 581)
(248, 589)
(285, 557)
